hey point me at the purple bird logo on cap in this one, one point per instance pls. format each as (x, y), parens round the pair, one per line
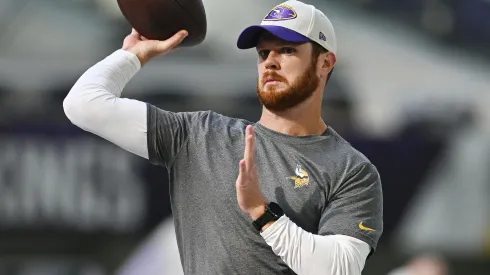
(281, 12)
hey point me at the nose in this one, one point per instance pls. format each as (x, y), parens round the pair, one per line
(272, 61)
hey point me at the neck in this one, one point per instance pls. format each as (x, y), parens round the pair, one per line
(304, 119)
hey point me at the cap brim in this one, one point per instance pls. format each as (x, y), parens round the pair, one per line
(251, 35)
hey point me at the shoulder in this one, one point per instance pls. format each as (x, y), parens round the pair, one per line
(212, 125)
(215, 121)
(202, 119)
(349, 159)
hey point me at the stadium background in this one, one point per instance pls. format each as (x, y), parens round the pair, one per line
(411, 91)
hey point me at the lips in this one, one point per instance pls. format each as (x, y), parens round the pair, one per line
(271, 80)
(270, 77)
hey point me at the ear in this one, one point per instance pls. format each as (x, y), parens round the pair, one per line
(330, 61)
(326, 62)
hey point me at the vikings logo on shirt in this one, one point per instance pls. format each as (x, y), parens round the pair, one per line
(301, 179)
(281, 12)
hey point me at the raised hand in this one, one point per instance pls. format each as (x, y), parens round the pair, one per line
(147, 49)
(249, 196)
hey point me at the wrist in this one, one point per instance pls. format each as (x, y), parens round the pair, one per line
(265, 215)
(257, 212)
(143, 58)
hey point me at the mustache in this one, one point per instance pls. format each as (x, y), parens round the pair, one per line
(268, 75)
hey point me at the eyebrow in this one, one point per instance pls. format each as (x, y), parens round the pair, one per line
(281, 45)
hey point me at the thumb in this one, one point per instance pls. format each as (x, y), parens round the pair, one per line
(134, 32)
(169, 44)
(241, 180)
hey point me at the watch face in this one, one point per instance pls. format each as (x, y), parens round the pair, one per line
(275, 209)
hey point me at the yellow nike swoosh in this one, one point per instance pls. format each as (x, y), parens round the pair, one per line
(362, 227)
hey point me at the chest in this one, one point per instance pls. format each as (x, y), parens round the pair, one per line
(294, 177)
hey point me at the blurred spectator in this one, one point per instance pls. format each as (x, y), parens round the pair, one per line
(424, 264)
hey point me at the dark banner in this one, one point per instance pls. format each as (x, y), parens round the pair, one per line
(51, 266)
(77, 184)
(71, 202)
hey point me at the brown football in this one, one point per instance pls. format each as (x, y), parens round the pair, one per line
(161, 19)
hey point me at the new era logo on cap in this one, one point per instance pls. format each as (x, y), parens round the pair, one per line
(322, 37)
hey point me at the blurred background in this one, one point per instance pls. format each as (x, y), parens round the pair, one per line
(411, 91)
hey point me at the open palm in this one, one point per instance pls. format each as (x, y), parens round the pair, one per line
(146, 49)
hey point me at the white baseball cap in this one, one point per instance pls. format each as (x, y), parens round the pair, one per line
(293, 21)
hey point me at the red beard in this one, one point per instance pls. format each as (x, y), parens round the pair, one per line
(279, 101)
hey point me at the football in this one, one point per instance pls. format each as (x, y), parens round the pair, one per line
(161, 19)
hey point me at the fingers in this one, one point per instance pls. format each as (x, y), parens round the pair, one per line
(172, 42)
(135, 34)
(242, 172)
(242, 168)
(249, 155)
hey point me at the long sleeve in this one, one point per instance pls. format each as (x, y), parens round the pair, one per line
(310, 254)
(95, 105)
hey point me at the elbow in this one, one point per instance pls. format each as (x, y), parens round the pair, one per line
(88, 108)
(77, 109)
(72, 108)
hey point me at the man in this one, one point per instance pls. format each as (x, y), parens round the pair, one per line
(285, 195)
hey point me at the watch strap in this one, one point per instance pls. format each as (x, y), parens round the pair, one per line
(272, 213)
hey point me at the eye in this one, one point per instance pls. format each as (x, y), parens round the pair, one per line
(288, 50)
(264, 54)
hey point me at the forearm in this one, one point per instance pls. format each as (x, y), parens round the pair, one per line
(94, 103)
(309, 254)
(110, 74)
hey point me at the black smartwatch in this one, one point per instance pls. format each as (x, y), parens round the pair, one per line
(272, 213)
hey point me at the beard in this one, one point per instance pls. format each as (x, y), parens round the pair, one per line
(296, 93)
